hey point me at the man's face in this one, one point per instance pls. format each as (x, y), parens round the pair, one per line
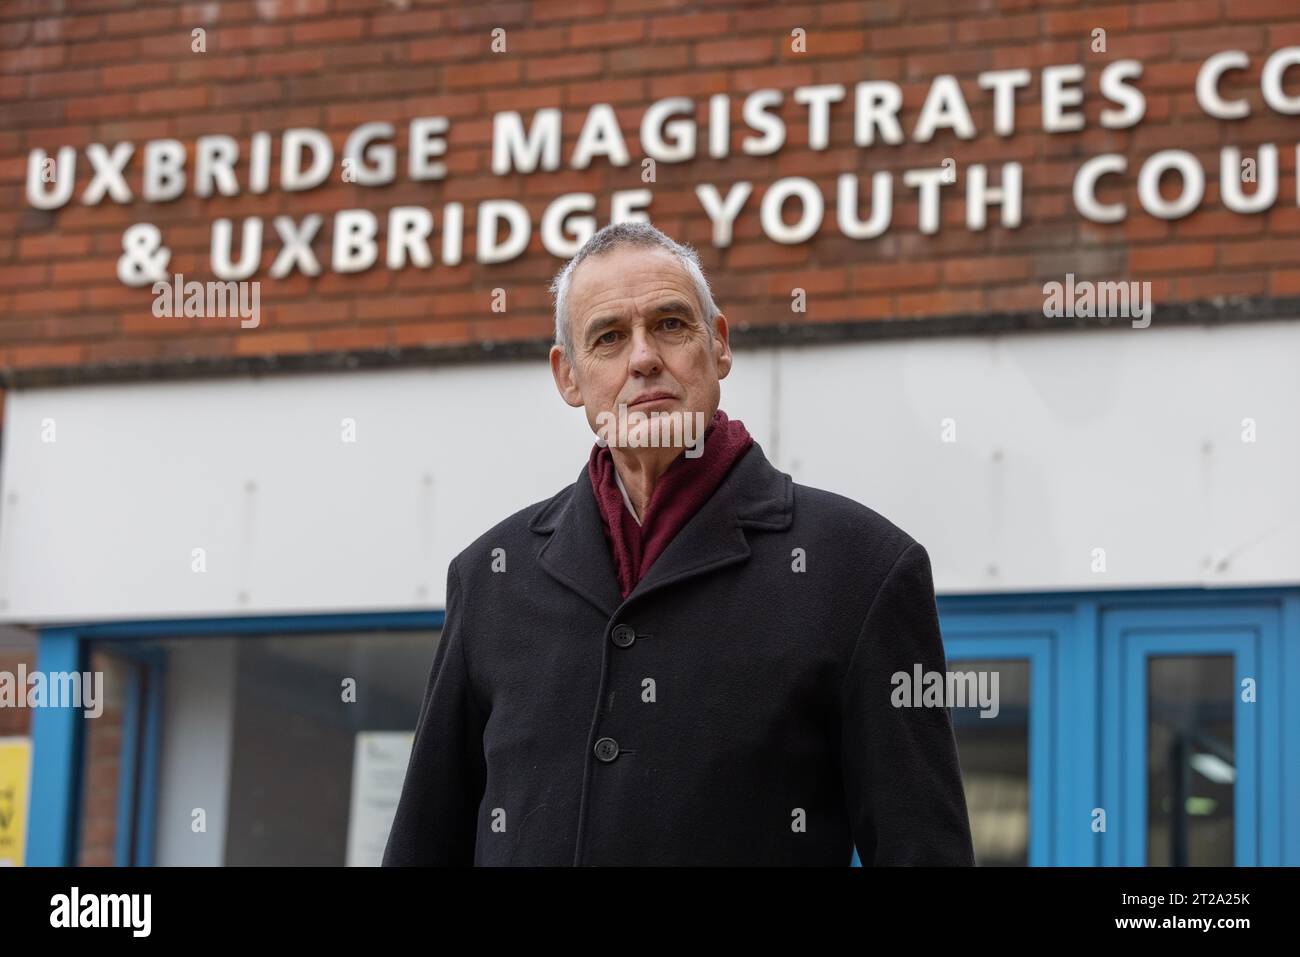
(640, 339)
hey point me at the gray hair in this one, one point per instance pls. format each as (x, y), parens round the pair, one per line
(616, 236)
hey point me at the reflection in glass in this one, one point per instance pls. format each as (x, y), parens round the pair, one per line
(1191, 766)
(276, 749)
(994, 755)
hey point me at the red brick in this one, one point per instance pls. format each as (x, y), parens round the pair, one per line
(940, 303)
(689, 26)
(570, 10)
(1082, 22)
(919, 37)
(1222, 284)
(256, 342)
(497, 71)
(1259, 253)
(1202, 43)
(135, 22)
(823, 309)
(430, 333)
(26, 357)
(734, 52)
(1177, 13)
(133, 75)
(1181, 257)
(173, 100)
(563, 67)
(617, 33)
(874, 278)
(984, 269)
(324, 31)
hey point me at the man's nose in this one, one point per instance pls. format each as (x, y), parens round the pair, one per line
(645, 358)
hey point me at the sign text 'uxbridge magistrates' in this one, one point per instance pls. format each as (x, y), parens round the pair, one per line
(790, 210)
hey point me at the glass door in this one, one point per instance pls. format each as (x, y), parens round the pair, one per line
(1182, 735)
(1009, 753)
(1004, 750)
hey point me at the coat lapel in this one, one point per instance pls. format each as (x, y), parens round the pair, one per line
(754, 495)
(576, 553)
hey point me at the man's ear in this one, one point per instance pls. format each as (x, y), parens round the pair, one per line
(721, 346)
(565, 382)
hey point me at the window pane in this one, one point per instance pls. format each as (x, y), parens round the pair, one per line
(994, 756)
(1191, 765)
(260, 736)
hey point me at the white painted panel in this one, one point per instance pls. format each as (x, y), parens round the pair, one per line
(102, 522)
(1128, 441)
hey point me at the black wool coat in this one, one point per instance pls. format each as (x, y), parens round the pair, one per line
(734, 709)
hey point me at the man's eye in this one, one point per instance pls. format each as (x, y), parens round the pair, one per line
(606, 340)
(671, 328)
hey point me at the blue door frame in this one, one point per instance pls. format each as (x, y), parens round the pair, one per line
(1092, 649)
(1079, 708)
(1039, 640)
(1250, 634)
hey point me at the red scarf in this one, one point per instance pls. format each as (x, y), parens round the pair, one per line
(679, 493)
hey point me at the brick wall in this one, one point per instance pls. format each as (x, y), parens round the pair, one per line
(102, 768)
(16, 722)
(113, 70)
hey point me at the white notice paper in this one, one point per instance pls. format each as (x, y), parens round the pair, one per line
(378, 769)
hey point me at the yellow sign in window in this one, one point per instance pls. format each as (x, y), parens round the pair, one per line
(15, 770)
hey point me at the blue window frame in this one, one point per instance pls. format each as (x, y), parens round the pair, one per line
(1036, 640)
(58, 736)
(1086, 654)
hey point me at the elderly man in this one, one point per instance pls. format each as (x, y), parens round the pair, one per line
(687, 658)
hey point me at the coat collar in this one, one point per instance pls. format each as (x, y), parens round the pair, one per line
(754, 495)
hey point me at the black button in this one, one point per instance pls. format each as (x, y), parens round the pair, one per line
(607, 749)
(623, 635)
